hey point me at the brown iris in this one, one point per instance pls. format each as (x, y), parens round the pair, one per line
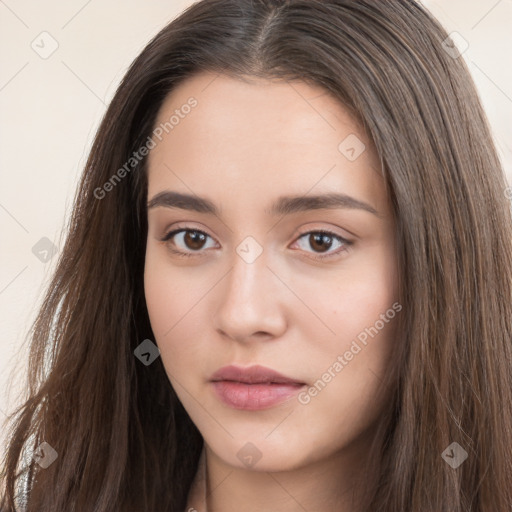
(194, 239)
(317, 241)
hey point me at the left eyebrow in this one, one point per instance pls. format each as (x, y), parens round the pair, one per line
(292, 204)
(285, 205)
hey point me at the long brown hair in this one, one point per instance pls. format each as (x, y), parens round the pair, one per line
(123, 439)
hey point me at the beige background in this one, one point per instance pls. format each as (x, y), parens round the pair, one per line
(51, 107)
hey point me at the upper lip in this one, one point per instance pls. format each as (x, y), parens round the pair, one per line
(252, 375)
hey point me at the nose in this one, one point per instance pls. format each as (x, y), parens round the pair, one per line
(251, 302)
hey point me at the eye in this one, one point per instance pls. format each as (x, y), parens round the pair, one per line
(323, 241)
(191, 239)
(191, 242)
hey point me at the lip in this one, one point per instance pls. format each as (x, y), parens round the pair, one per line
(253, 388)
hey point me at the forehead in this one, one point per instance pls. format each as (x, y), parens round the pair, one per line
(259, 137)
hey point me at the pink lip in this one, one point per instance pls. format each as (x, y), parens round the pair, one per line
(253, 388)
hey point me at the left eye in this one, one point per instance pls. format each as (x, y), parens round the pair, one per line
(323, 241)
(193, 241)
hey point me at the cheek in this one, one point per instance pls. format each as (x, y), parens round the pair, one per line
(364, 335)
(348, 369)
(349, 363)
(174, 306)
(158, 293)
(168, 291)
(351, 300)
(365, 323)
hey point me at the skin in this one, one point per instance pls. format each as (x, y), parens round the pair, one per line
(243, 146)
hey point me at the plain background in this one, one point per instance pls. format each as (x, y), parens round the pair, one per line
(51, 106)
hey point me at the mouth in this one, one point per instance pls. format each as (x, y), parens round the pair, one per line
(253, 388)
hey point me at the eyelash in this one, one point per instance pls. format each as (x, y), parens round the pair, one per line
(346, 243)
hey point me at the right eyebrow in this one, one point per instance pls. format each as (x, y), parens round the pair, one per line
(183, 202)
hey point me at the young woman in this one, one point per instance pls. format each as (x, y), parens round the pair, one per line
(287, 281)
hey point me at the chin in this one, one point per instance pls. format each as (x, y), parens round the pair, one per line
(260, 453)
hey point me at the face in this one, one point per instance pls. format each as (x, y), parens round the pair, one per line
(252, 270)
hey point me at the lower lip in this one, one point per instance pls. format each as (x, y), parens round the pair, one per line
(253, 397)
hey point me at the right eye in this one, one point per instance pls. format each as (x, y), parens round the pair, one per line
(186, 238)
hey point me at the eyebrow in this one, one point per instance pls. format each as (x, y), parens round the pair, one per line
(284, 205)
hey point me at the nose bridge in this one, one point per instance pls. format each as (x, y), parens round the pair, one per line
(248, 276)
(248, 302)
